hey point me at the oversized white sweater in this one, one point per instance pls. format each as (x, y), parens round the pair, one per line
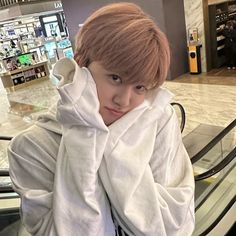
(70, 169)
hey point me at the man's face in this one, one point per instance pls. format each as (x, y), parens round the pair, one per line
(116, 97)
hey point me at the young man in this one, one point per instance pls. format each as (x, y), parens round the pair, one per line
(228, 32)
(109, 158)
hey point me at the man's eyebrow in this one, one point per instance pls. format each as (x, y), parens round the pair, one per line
(111, 73)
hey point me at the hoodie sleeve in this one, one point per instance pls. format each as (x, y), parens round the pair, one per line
(173, 178)
(58, 183)
(152, 196)
(32, 166)
(80, 200)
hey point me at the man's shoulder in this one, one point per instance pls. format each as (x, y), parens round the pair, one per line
(35, 138)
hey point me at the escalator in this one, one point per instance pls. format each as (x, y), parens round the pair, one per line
(215, 176)
(9, 200)
(213, 150)
(216, 207)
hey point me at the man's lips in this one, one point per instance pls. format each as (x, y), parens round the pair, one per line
(115, 112)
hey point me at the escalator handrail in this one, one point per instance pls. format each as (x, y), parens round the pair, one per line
(220, 166)
(213, 142)
(7, 138)
(183, 116)
(4, 172)
(6, 189)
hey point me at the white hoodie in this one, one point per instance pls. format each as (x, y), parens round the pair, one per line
(70, 169)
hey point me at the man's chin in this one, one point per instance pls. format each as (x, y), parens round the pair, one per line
(109, 121)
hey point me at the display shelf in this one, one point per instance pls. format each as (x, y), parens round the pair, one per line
(25, 75)
(220, 37)
(232, 14)
(220, 47)
(219, 14)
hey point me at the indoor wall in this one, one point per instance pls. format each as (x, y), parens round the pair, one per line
(169, 15)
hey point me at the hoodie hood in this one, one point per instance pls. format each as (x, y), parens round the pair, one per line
(72, 83)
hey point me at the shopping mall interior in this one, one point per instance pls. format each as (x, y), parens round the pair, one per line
(34, 35)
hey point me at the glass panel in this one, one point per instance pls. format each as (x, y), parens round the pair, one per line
(203, 187)
(211, 159)
(221, 194)
(200, 137)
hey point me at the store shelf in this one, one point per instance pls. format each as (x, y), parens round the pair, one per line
(219, 14)
(25, 75)
(219, 38)
(220, 47)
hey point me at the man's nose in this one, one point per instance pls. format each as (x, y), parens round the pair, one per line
(123, 96)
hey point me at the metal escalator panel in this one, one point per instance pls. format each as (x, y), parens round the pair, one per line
(215, 201)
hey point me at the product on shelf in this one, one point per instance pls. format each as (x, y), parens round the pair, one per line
(25, 59)
(10, 63)
(25, 74)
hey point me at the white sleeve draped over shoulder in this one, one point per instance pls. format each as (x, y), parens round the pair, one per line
(139, 162)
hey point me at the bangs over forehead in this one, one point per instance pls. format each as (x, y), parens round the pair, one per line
(125, 41)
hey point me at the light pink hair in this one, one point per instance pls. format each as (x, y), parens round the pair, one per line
(127, 41)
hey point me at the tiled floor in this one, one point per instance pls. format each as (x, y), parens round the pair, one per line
(205, 103)
(207, 99)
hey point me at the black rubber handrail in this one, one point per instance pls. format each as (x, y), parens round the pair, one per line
(220, 166)
(213, 142)
(8, 138)
(4, 172)
(183, 116)
(6, 189)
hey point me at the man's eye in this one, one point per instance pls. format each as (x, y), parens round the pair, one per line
(116, 79)
(141, 88)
